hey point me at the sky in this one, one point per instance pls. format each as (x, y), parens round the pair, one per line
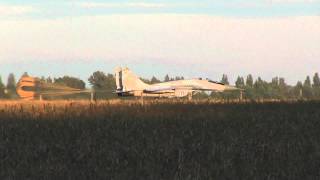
(189, 38)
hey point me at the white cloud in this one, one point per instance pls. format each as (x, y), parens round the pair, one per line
(286, 46)
(121, 5)
(12, 10)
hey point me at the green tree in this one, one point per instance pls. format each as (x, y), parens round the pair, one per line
(224, 79)
(2, 89)
(273, 87)
(154, 80)
(11, 87)
(249, 81)
(316, 80)
(25, 74)
(249, 90)
(103, 84)
(307, 88)
(49, 80)
(258, 88)
(70, 82)
(283, 89)
(179, 78)
(307, 82)
(316, 85)
(240, 82)
(43, 79)
(166, 78)
(275, 82)
(261, 89)
(298, 90)
(11, 83)
(147, 81)
(100, 81)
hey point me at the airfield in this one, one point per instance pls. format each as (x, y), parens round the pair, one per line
(160, 139)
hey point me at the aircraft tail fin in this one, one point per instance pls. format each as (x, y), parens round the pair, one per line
(118, 77)
(126, 81)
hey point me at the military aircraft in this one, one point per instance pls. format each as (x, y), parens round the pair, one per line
(129, 84)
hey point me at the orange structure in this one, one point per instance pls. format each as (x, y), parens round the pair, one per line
(30, 88)
(27, 88)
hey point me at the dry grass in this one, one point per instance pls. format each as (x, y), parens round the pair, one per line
(159, 139)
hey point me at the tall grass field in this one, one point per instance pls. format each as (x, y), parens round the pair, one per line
(160, 139)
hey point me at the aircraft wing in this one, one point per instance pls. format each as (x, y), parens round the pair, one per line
(157, 89)
(173, 88)
(227, 88)
(192, 88)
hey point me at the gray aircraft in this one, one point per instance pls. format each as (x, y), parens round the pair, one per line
(129, 84)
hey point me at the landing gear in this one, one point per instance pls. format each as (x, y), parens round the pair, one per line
(141, 99)
(190, 96)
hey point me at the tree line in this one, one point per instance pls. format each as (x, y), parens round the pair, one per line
(257, 88)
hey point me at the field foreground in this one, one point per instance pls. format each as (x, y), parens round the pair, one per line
(159, 140)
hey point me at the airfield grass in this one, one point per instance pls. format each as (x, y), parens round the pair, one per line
(159, 140)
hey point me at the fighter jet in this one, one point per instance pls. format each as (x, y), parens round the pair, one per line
(129, 84)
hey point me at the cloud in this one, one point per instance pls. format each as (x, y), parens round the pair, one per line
(13, 10)
(122, 5)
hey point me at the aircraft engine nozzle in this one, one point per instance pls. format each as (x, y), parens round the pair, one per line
(27, 88)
